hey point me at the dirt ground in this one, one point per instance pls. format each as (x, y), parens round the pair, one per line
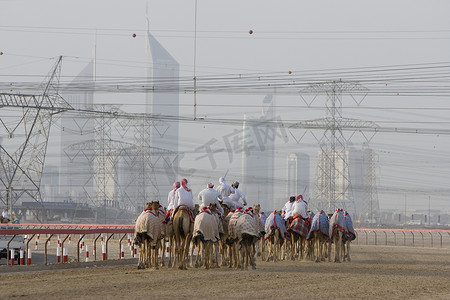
(375, 272)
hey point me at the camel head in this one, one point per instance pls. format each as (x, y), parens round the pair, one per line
(257, 208)
(154, 205)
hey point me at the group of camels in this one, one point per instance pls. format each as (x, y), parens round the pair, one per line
(236, 239)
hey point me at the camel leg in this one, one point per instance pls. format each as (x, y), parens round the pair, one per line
(244, 256)
(208, 251)
(253, 256)
(162, 243)
(348, 251)
(197, 257)
(223, 252)
(263, 249)
(337, 246)
(276, 246)
(179, 249)
(269, 248)
(155, 255)
(186, 249)
(238, 254)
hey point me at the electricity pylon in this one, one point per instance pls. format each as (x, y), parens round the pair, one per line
(23, 149)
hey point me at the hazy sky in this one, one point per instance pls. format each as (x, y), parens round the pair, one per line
(304, 37)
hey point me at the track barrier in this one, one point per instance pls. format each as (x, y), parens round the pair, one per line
(29, 257)
(21, 257)
(12, 257)
(64, 232)
(367, 236)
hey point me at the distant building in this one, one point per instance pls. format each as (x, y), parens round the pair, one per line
(298, 174)
(163, 71)
(362, 167)
(50, 184)
(258, 144)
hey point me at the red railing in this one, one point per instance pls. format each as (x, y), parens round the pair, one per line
(31, 230)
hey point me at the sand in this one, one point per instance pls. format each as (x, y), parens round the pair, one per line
(375, 272)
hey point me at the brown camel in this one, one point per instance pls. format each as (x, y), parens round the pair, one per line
(223, 236)
(182, 228)
(261, 244)
(206, 232)
(148, 234)
(337, 224)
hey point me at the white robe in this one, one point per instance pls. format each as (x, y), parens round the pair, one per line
(226, 190)
(171, 200)
(287, 208)
(210, 196)
(236, 197)
(299, 208)
(184, 198)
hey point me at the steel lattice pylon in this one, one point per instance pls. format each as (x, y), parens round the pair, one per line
(371, 207)
(22, 154)
(123, 173)
(333, 186)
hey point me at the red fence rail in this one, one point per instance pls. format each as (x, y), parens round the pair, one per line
(368, 236)
(31, 230)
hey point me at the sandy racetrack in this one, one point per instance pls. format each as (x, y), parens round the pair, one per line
(375, 272)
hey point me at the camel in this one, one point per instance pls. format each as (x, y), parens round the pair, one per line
(149, 231)
(261, 244)
(348, 236)
(182, 227)
(276, 233)
(318, 235)
(248, 228)
(274, 244)
(232, 239)
(206, 232)
(223, 237)
(298, 229)
(336, 232)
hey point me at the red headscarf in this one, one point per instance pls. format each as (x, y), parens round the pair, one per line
(210, 185)
(176, 185)
(300, 197)
(183, 184)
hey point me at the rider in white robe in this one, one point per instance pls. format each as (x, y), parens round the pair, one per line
(225, 190)
(184, 196)
(287, 208)
(210, 196)
(300, 207)
(171, 200)
(237, 195)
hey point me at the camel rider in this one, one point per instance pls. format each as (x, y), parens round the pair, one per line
(171, 201)
(300, 207)
(5, 215)
(237, 195)
(184, 197)
(287, 208)
(225, 190)
(210, 196)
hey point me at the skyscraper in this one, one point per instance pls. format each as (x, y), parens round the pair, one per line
(362, 167)
(163, 71)
(258, 144)
(298, 173)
